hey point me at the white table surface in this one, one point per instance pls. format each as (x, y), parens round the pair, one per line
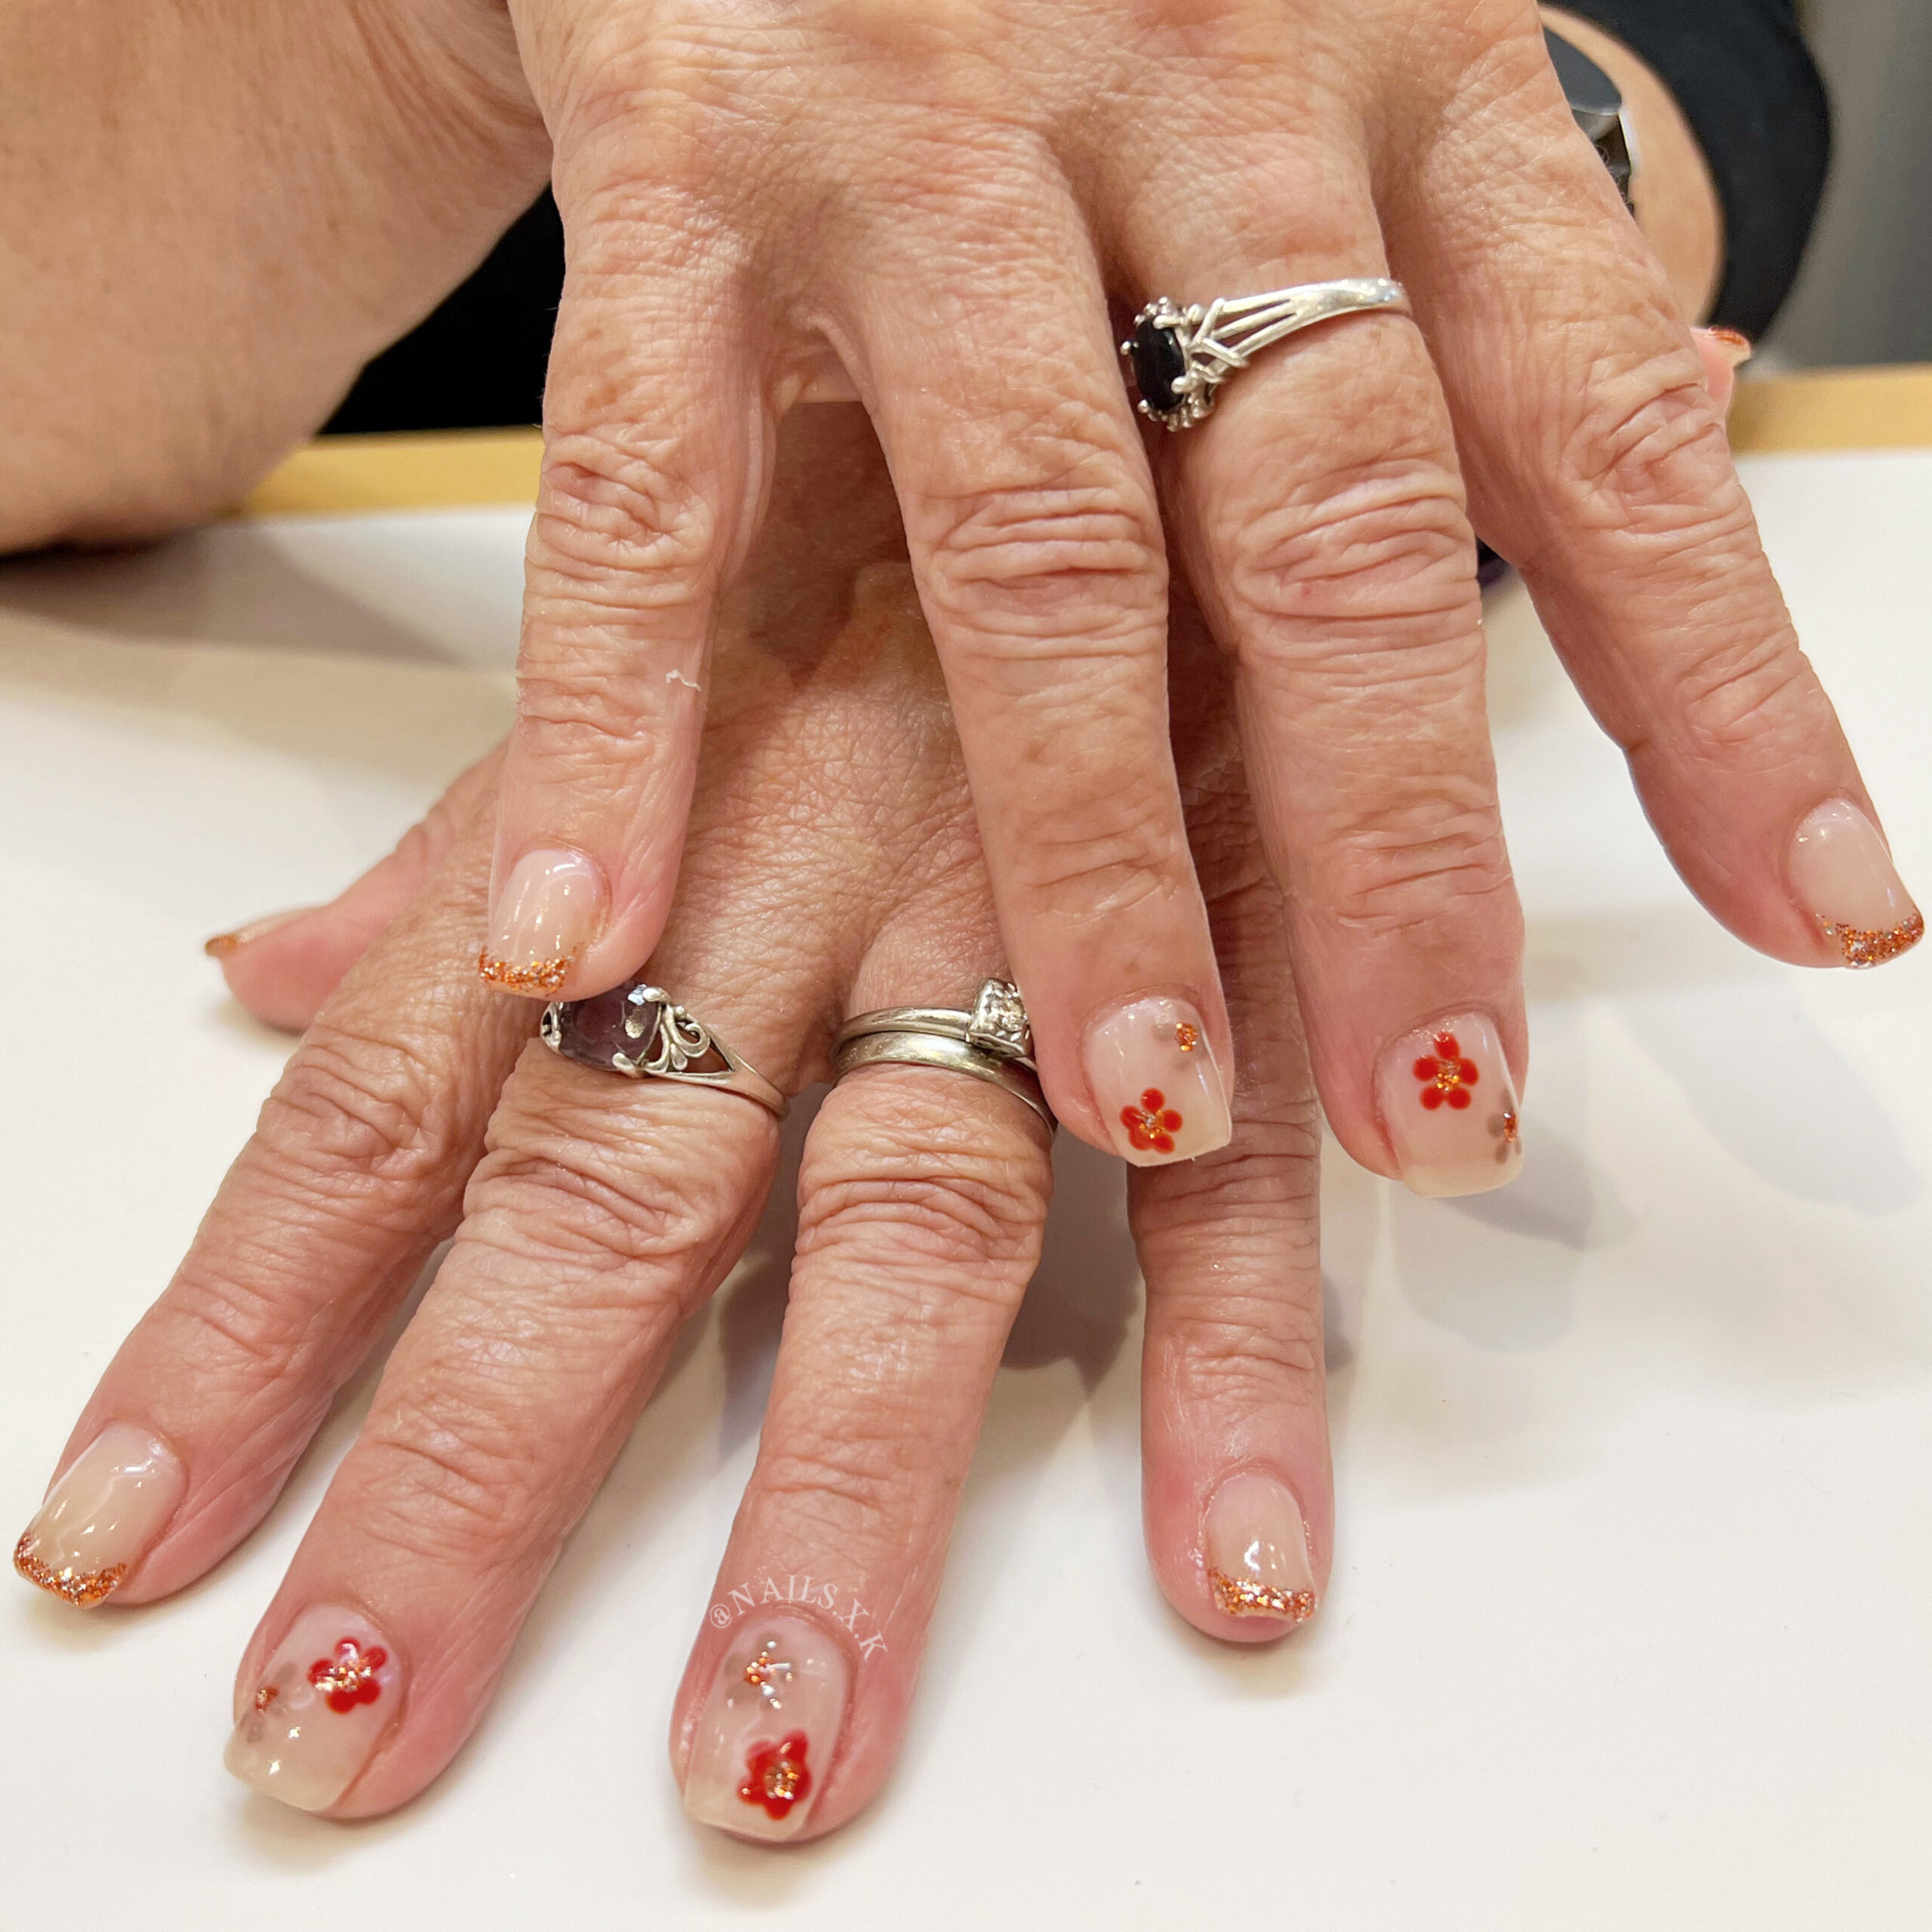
(1628, 1625)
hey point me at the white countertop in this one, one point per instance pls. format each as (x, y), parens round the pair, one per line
(1628, 1623)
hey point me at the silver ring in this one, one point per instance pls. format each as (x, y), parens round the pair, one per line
(993, 1043)
(640, 1031)
(1181, 357)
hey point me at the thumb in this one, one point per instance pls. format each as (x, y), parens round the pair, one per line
(282, 967)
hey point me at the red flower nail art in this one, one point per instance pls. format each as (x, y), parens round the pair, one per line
(1151, 1126)
(1448, 1077)
(348, 1677)
(775, 1775)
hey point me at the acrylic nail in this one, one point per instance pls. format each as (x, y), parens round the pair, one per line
(107, 1510)
(551, 906)
(765, 1739)
(1153, 1074)
(321, 1705)
(1844, 877)
(222, 944)
(1255, 1544)
(1733, 345)
(1450, 1107)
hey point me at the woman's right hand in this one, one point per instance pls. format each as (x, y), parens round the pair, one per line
(833, 866)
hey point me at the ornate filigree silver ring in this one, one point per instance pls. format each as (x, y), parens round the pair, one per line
(640, 1031)
(1181, 357)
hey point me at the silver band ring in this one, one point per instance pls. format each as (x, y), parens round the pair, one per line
(640, 1031)
(993, 1043)
(1181, 357)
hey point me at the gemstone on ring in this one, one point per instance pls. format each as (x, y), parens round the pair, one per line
(1181, 356)
(1159, 361)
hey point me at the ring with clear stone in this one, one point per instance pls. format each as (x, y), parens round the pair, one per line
(993, 1043)
(1181, 357)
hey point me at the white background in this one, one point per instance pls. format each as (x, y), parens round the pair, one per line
(1629, 1625)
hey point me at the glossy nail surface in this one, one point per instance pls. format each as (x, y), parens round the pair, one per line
(1449, 1105)
(1845, 877)
(332, 1688)
(550, 906)
(1153, 1074)
(769, 1728)
(1255, 1545)
(223, 944)
(106, 1512)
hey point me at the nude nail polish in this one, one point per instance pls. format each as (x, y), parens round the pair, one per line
(331, 1689)
(765, 1739)
(1256, 1546)
(1153, 1074)
(550, 906)
(222, 944)
(1449, 1108)
(1733, 345)
(106, 1512)
(1844, 877)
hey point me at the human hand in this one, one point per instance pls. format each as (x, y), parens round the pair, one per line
(934, 207)
(591, 1215)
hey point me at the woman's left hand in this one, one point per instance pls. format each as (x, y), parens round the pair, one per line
(592, 1214)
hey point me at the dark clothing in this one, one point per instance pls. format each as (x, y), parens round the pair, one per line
(1740, 71)
(1737, 67)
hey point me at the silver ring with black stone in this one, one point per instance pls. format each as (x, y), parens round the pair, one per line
(1181, 357)
(640, 1031)
(993, 1043)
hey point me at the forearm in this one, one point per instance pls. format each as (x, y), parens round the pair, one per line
(211, 214)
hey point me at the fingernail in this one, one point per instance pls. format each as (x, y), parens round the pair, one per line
(222, 944)
(769, 1729)
(1153, 1073)
(1735, 348)
(1844, 878)
(331, 1689)
(102, 1516)
(552, 905)
(1450, 1107)
(1255, 1544)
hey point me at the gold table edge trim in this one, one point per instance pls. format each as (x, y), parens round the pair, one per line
(1817, 410)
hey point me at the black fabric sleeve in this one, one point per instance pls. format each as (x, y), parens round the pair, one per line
(1740, 71)
(478, 362)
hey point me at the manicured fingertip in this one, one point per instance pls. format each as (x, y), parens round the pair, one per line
(1160, 1089)
(1449, 1107)
(310, 1722)
(1723, 352)
(546, 912)
(109, 1508)
(1254, 1546)
(1841, 874)
(764, 1743)
(225, 946)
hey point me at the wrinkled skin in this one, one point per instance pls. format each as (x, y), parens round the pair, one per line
(591, 1215)
(932, 207)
